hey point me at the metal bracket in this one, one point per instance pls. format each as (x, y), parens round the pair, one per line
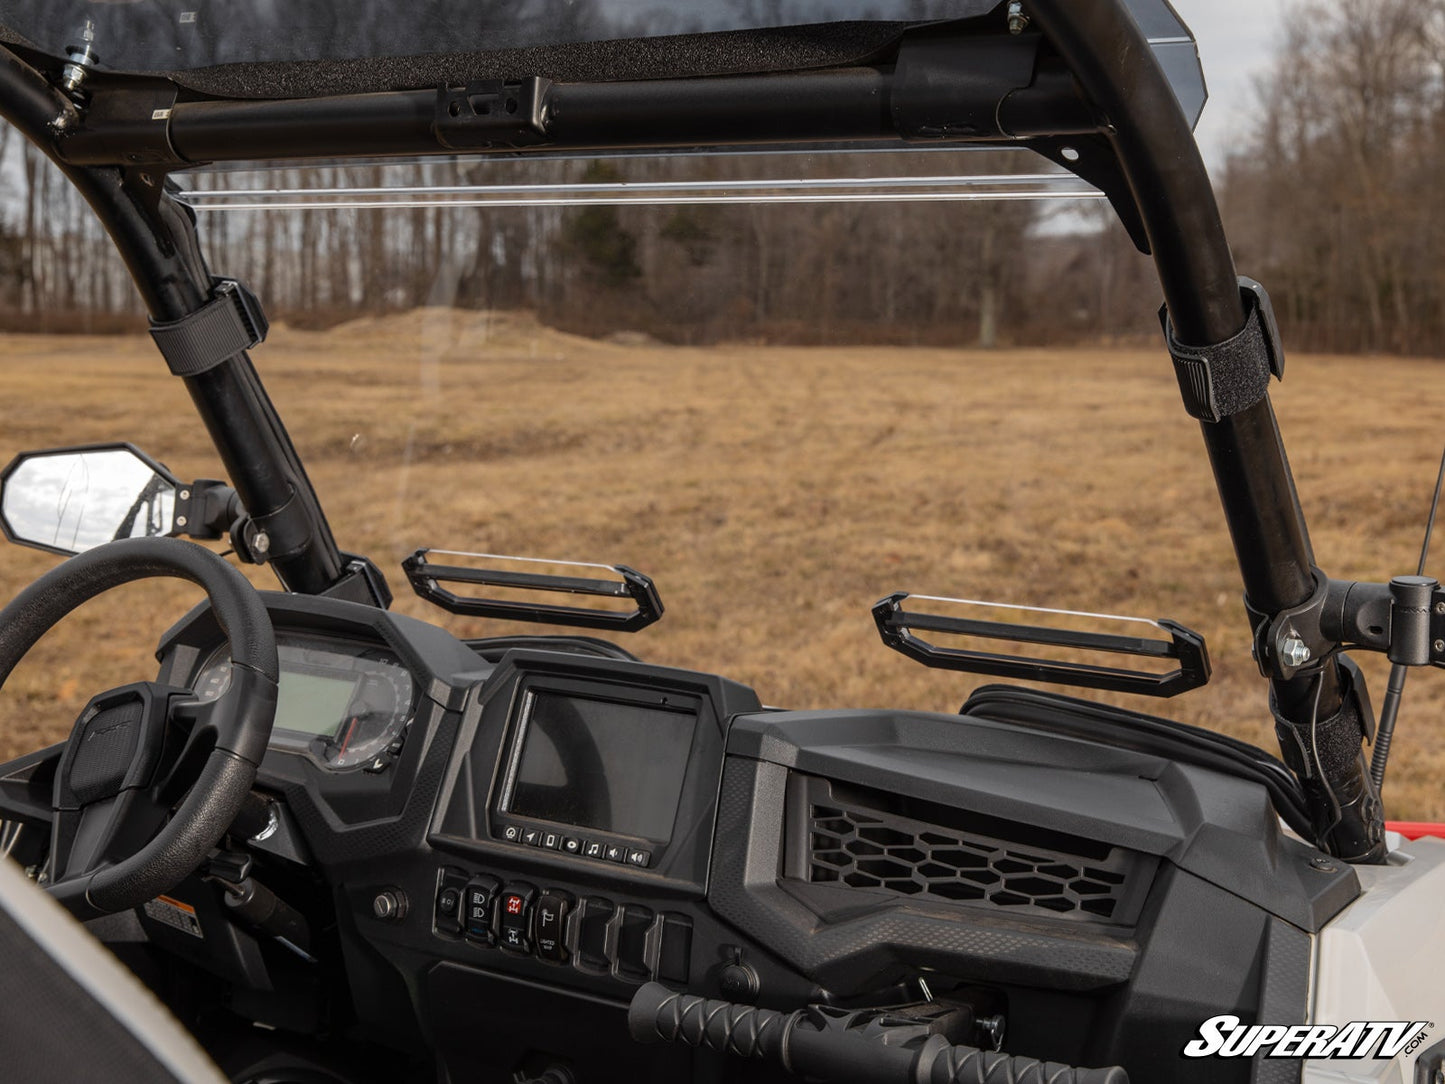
(363, 582)
(1293, 641)
(128, 124)
(492, 113)
(1404, 619)
(949, 85)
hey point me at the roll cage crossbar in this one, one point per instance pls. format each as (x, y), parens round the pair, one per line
(1080, 87)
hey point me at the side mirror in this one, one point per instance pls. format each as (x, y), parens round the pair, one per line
(68, 500)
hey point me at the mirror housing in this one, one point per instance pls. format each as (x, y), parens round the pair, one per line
(69, 500)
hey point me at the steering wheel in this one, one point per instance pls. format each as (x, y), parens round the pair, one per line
(151, 777)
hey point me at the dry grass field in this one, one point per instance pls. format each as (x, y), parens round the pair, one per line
(774, 494)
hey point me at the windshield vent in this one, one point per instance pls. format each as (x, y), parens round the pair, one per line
(860, 839)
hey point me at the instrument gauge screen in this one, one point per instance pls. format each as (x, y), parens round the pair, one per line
(342, 704)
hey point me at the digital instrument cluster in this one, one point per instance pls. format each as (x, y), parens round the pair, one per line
(346, 705)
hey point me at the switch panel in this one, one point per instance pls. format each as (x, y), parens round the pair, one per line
(596, 935)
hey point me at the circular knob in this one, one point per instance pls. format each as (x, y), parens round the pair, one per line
(389, 904)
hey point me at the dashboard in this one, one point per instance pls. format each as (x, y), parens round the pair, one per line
(515, 834)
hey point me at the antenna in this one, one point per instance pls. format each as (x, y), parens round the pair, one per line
(1396, 687)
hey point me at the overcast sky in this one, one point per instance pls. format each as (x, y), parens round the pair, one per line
(1236, 39)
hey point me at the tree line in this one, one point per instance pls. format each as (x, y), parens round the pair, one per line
(1333, 201)
(1329, 201)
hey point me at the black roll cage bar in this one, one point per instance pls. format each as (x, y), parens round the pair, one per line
(1080, 87)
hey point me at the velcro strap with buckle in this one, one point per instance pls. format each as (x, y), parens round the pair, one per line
(231, 322)
(1229, 377)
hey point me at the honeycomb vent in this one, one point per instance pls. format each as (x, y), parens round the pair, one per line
(877, 849)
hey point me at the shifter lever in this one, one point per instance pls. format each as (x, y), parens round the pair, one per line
(821, 1043)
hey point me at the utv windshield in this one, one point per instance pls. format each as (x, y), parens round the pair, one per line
(781, 385)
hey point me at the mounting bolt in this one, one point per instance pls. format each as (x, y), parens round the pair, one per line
(1018, 22)
(1324, 865)
(185, 494)
(1438, 646)
(991, 1029)
(72, 76)
(1294, 652)
(262, 542)
(181, 521)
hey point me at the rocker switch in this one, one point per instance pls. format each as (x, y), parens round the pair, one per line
(477, 900)
(514, 917)
(551, 911)
(592, 947)
(631, 963)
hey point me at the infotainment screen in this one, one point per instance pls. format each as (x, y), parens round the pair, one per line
(600, 764)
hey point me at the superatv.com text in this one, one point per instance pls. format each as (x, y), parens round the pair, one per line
(1226, 1037)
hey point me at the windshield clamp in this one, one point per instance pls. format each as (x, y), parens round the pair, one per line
(1226, 378)
(492, 113)
(231, 322)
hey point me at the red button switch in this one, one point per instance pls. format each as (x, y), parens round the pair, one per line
(514, 905)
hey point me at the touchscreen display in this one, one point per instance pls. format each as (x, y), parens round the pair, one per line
(599, 764)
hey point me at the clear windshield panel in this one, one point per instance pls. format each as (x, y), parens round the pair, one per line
(890, 173)
(781, 411)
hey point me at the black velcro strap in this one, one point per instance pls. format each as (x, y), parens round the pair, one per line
(232, 321)
(1222, 380)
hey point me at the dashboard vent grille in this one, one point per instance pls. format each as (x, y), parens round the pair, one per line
(1017, 867)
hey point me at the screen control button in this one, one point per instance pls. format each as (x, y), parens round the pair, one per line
(552, 841)
(514, 917)
(592, 849)
(532, 837)
(571, 845)
(477, 901)
(512, 833)
(639, 858)
(615, 852)
(551, 911)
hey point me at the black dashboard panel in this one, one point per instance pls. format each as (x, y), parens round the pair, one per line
(1080, 881)
(557, 827)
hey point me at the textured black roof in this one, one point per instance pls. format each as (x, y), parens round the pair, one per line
(307, 48)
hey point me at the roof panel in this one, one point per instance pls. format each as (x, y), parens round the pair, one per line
(287, 48)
